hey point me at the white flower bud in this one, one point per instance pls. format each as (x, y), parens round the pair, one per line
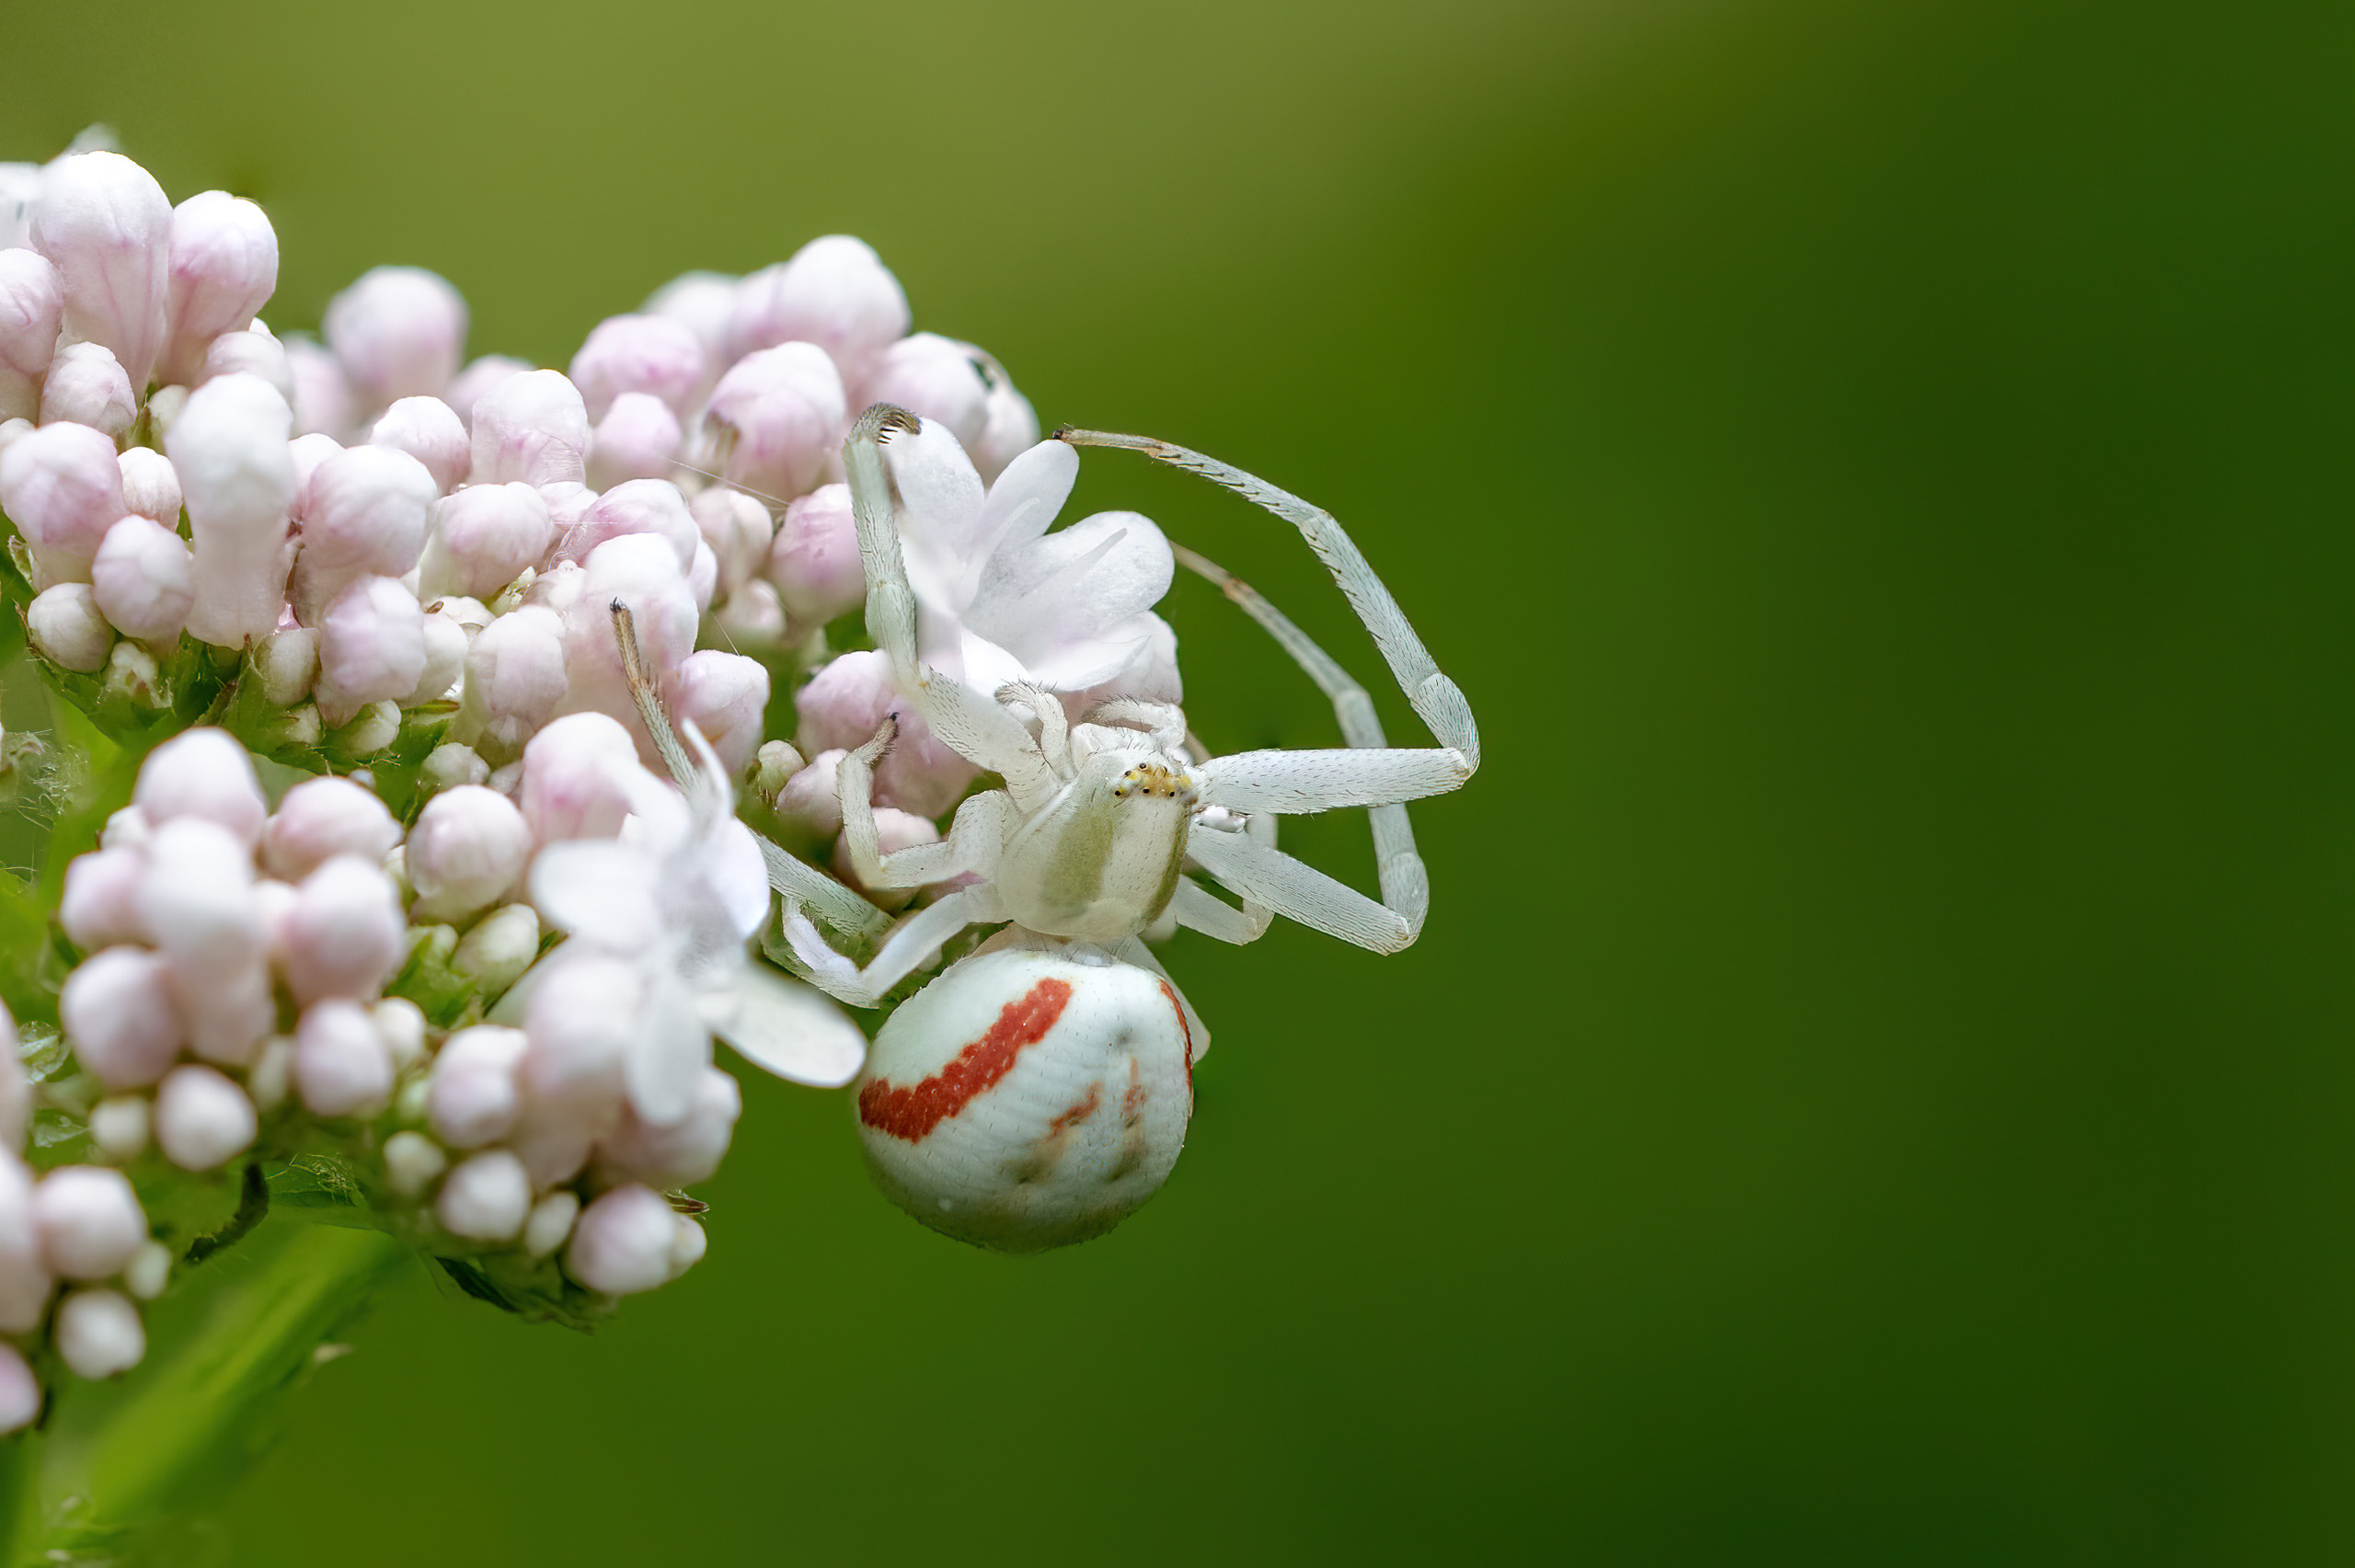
(344, 936)
(430, 431)
(224, 266)
(679, 1155)
(341, 1067)
(501, 945)
(582, 1019)
(198, 898)
(451, 764)
(117, 1010)
(772, 765)
(483, 538)
(272, 1075)
(688, 1243)
(651, 354)
(702, 576)
(149, 1270)
(325, 816)
(752, 618)
(814, 558)
(19, 1390)
(25, 1280)
(844, 706)
(479, 378)
(227, 1009)
(834, 292)
(237, 477)
(86, 384)
(701, 302)
(364, 513)
(307, 453)
(639, 437)
(400, 1022)
(550, 1224)
(467, 849)
(515, 677)
(399, 332)
(143, 578)
(150, 487)
(371, 730)
(810, 797)
(446, 663)
(623, 1242)
(206, 774)
(635, 507)
(571, 788)
(120, 1127)
(65, 627)
(126, 829)
(412, 1161)
(90, 1221)
(372, 648)
(486, 1198)
(62, 488)
(101, 904)
(132, 675)
(202, 1120)
(530, 426)
(473, 1100)
(254, 352)
(778, 414)
(32, 301)
(99, 1333)
(725, 696)
(738, 528)
(936, 377)
(323, 401)
(106, 224)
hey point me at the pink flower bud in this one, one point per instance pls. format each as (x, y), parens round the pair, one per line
(287, 663)
(738, 528)
(430, 431)
(341, 1064)
(206, 774)
(652, 507)
(223, 268)
(842, 707)
(777, 414)
(364, 514)
(62, 488)
(551, 1223)
(530, 426)
(582, 1020)
(371, 647)
(571, 788)
(467, 849)
(307, 453)
(237, 475)
(150, 486)
(638, 438)
(399, 332)
(143, 579)
(834, 292)
(32, 302)
(117, 1011)
(483, 537)
(202, 1120)
(251, 352)
(445, 661)
(198, 899)
(814, 559)
(227, 1009)
(344, 934)
(642, 571)
(480, 377)
(66, 627)
(809, 796)
(936, 377)
(472, 1099)
(638, 353)
(501, 945)
(702, 576)
(25, 1280)
(100, 906)
(19, 1390)
(681, 1154)
(485, 1198)
(701, 302)
(97, 1333)
(753, 617)
(1011, 430)
(106, 224)
(90, 1221)
(322, 818)
(725, 696)
(514, 676)
(623, 1242)
(323, 403)
(86, 384)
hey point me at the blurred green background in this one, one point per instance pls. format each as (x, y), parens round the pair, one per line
(1875, 1086)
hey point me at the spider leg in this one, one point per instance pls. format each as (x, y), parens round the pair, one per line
(968, 724)
(1436, 699)
(1197, 910)
(1054, 727)
(1164, 722)
(1405, 886)
(835, 904)
(918, 938)
(1297, 890)
(974, 838)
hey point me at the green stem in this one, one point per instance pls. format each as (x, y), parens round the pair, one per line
(123, 1459)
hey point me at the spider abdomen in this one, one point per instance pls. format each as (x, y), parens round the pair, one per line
(1026, 1099)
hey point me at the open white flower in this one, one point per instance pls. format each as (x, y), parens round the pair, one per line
(1000, 599)
(676, 897)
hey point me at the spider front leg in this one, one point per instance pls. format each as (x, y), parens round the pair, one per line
(974, 841)
(917, 939)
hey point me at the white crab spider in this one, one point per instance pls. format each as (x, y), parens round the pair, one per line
(1090, 837)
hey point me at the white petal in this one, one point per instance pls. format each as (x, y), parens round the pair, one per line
(1072, 586)
(666, 1062)
(1024, 501)
(738, 876)
(940, 507)
(599, 890)
(787, 1028)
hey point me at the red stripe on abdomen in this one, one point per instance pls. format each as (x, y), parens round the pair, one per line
(912, 1112)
